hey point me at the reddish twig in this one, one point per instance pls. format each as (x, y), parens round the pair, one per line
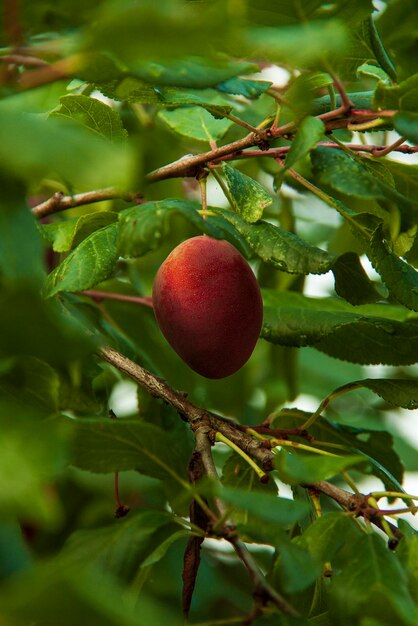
(105, 295)
(21, 59)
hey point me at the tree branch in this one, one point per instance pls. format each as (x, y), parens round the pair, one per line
(21, 59)
(59, 202)
(107, 295)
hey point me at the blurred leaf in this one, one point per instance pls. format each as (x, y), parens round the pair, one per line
(195, 123)
(362, 334)
(33, 452)
(93, 114)
(372, 583)
(244, 87)
(249, 198)
(367, 69)
(267, 507)
(299, 45)
(237, 473)
(291, 12)
(407, 123)
(325, 537)
(296, 468)
(295, 569)
(32, 148)
(35, 383)
(403, 96)
(65, 236)
(101, 445)
(14, 554)
(121, 548)
(90, 263)
(400, 277)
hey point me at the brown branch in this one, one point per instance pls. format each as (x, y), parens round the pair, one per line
(195, 415)
(60, 202)
(12, 23)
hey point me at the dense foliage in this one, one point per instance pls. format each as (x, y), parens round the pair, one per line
(123, 125)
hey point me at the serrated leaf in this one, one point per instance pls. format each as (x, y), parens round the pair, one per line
(195, 123)
(94, 115)
(400, 278)
(280, 248)
(101, 445)
(363, 334)
(90, 263)
(207, 99)
(249, 198)
(295, 468)
(327, 535)
(65, 236)
(398, 392)
(280, 511)
(244, 87)
(144, 227)
(372, 583)
(129, 89)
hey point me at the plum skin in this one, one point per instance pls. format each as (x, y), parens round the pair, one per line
(208, 305)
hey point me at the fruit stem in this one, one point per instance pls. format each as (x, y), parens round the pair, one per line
(260, 473)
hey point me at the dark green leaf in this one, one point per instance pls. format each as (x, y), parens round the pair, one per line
(248, 197)
(295, 569)
(309, 133)
(90, 263)
(94, 115)
(352, 282)
(400, 278)
(325, 537)
(363, 334)
(280, 248)
(101, 445)
(121, 548)
(407, 124)
(398, 392)
(244, 87)
(372, 584)
(403, 96)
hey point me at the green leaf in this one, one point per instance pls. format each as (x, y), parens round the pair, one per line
(208, 99)
(402, 97)
(327, 535)
(31, 148)
(400, 278)
(269, 508)
(300, 45)
(249, 198)
(143, 228)
(363, 334)
(295, 569)
(40, 382)
(395, 391)
(244, 87)
(280, 248)
(295, 468)
(121, 548)
(92, 114)
(195, 123)
(407, 124)
(352, 282)
(237, 473)
(65, 236)
(373, 584)
(90, 263)
(367, 69)
(33, 452)
(380, 51)
(309, 133)
(101, 445)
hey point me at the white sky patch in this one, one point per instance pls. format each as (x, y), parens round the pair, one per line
(123, 399)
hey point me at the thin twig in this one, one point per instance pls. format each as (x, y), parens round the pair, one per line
(379, 152)
(60, 202)
(105, 295)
